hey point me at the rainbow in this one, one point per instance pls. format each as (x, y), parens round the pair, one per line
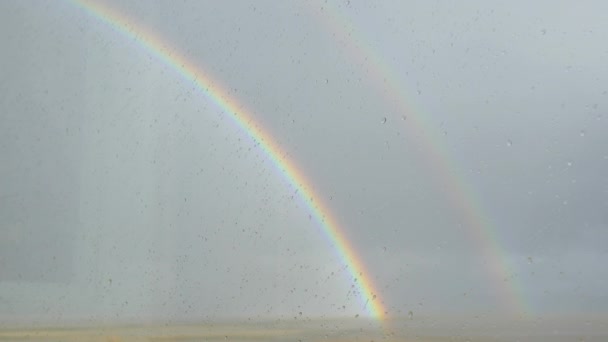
(187, 69)
(446, 170)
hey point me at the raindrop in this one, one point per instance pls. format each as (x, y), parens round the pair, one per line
(403, 117)
(543, 31)
(582, 133)
(357, 316)
(410, 314)
(383, 121)
(509, 143)
(569, 163)
(530, 260)
(326, 81)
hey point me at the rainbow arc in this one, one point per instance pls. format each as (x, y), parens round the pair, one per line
(154, 44)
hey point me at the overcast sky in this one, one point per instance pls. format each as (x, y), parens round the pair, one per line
(125, 193)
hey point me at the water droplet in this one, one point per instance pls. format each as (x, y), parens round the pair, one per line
(357, 316)
(582, 133)
(543, 31)
(326, 81)
(410, 314)
(569, 163)
(509, 143)
(403, 117)
(530, 260)
(383, 121)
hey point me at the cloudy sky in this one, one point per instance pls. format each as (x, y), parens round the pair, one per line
(462, 147)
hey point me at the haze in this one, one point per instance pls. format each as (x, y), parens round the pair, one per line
(126, 194)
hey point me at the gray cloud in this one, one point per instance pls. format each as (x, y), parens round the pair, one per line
(127, 194)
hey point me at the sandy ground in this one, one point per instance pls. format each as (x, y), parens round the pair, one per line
(429, 330)
(192, 334)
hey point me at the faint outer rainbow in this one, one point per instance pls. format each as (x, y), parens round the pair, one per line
(433, 150)
(192, 72)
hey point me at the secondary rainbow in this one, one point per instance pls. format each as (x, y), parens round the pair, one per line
(155, 45)
(446, 170)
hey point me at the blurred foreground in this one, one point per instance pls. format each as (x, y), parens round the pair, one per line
(588, 329)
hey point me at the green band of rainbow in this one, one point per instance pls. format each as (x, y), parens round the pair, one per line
(153, 43)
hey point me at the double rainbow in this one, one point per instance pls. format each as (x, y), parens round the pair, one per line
(480, 229)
